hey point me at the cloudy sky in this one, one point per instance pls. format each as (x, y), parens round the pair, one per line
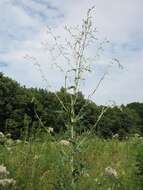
(22, 31)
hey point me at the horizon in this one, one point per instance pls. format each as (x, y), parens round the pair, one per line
(40, 88)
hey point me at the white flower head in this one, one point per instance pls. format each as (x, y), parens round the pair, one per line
(116, 136)
(7, 182)
(18, 141)
(3, 171)
(50, 130)
(109, 171)
(64, 142)
(1, 135)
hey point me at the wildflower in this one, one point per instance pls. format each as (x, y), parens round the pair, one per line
(115, 136)
(50, 130)
(7, 182)
(64, 142)
(111, 172)
(3, 171)
(2, 138)
(8, 148)
(36, 157)
(18, 141)
(96, 180)
(136, 135)
(1, 135)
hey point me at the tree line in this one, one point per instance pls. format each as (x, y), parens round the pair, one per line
(34, 109)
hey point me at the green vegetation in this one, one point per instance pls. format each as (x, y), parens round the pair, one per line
(109, 159)
(45, 164)
(21, 108)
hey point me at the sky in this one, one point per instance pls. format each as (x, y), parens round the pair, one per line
(23, 26)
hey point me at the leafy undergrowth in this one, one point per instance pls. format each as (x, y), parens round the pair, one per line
(100, 164)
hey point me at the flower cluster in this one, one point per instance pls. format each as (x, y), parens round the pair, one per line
(64, 142)
(111, 172)
(3, 171)
(4, 181)
(5, 139)
(7, 182)
(2, 138)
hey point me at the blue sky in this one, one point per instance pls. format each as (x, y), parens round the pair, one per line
(22, 31)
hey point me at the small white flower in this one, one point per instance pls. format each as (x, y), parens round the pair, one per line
(7, 182)
(50, 130)
(96, 180)
(3, 171)
(8, 148)
(136, 135)
(115, 136)
(36, 157)
(109, 171)
(64, 142)
(86, 174)
(1, 135)
(18, 141)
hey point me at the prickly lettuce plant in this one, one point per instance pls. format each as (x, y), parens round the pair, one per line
(77, 65)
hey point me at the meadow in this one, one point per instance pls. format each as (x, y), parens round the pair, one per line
(44, 164)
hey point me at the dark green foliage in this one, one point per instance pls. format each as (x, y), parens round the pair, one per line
(21, 108)
(121, 121)
(138, 108)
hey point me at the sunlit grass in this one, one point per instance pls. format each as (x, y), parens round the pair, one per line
(45, 165)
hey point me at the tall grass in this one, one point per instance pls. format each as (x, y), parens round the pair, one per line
(45, 164)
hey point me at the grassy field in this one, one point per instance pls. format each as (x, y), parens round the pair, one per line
(46, 164)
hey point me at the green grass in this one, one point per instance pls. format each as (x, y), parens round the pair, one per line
(45, 165)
